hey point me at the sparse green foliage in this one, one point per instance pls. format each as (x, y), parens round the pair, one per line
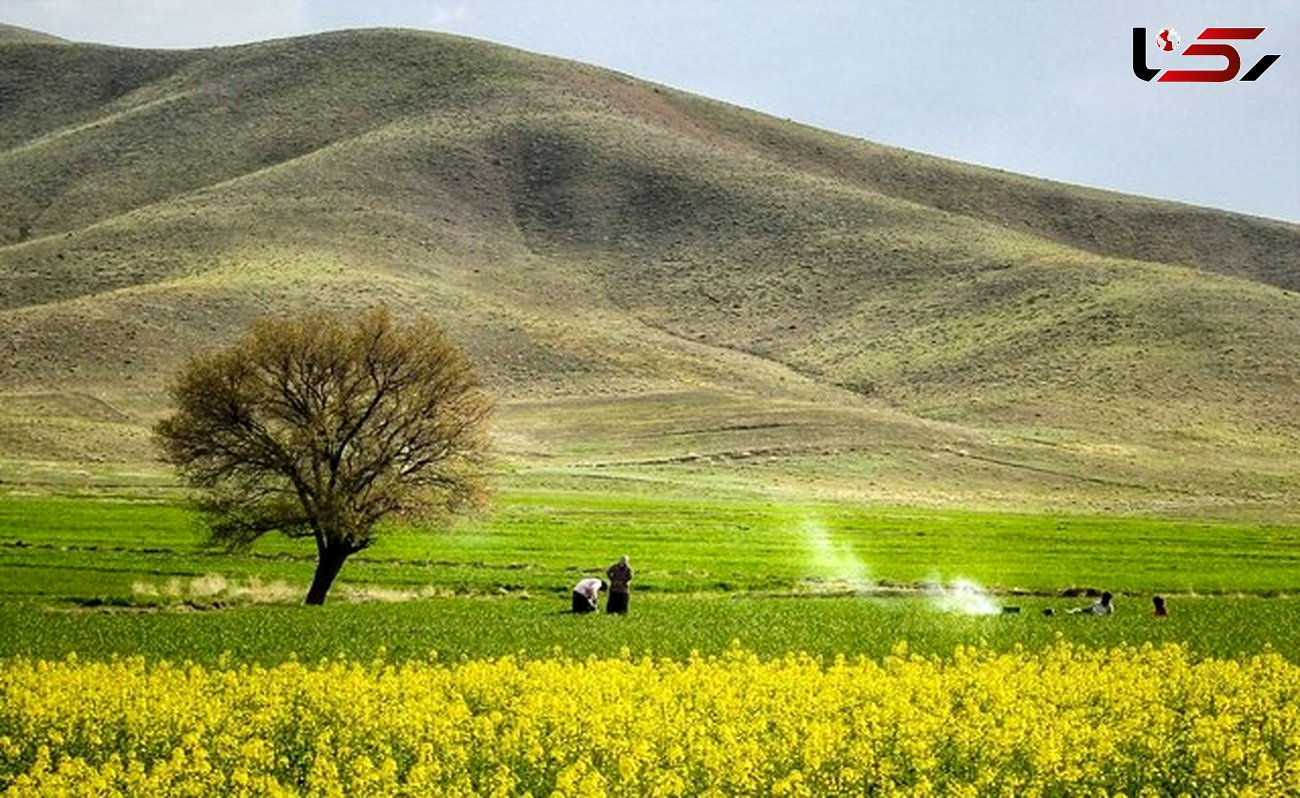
(320, 426)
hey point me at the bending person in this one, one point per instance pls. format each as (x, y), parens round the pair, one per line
(1100, 607)
(586, 594)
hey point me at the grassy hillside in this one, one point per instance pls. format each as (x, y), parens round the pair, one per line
(658, 286)
(12, 34)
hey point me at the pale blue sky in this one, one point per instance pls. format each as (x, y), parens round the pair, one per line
(1041, 88)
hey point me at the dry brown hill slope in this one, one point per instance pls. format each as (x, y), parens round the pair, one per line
(601, 243)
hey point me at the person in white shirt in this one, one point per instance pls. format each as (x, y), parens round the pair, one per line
(585, 594)
(1100, 607)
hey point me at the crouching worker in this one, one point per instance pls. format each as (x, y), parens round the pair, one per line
(1099, 607)
(586, 593)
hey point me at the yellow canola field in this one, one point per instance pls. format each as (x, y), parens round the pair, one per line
(1064, 721)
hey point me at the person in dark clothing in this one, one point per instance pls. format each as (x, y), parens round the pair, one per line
(1161, 610)
(620, 574)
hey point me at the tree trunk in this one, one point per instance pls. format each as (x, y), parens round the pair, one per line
(329, 562)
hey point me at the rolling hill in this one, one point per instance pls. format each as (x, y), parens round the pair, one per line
(657, 286)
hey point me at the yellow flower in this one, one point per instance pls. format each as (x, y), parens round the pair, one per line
(1127, 721)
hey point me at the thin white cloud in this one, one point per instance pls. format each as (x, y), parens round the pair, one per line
(448, 14)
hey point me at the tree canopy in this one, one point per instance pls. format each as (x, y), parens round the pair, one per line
(321, 425)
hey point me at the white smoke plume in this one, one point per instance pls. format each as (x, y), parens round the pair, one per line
(832, 561)
(963, 597)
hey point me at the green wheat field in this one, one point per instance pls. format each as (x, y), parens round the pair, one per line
(112, 576)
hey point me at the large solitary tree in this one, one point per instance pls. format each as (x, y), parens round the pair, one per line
(322, 425)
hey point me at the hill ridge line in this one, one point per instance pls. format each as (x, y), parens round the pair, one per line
(53, 136)
(864, 156)
(193, 192)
